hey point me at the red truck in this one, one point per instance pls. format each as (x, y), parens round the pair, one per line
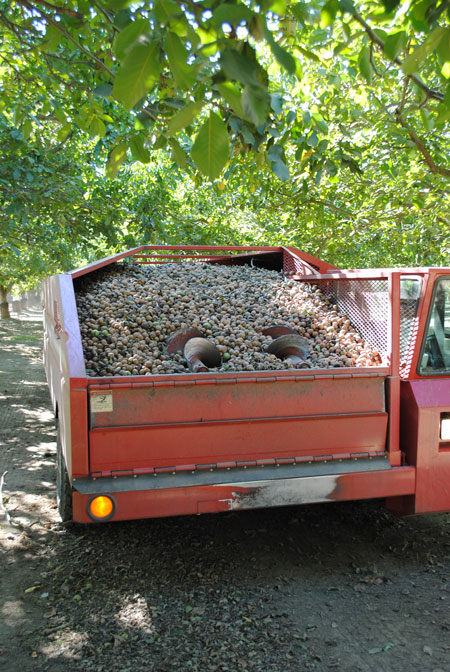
(142, 446)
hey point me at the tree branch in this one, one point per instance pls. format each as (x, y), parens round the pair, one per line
(404, 92)
(60, 10)
(107, 16)
(430, 93)
(19, 75)
(60, 145)
(435, 169)
(327, 204)
(66, 34)
(67, 85)
(314, 201)
(18, 30)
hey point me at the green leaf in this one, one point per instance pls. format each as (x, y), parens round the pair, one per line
(308, 53)
(184, 74)
(443, 48)
(256, 27)
(178, 153)
(427, 119)
(328, 13)
(286, 60)
(60, 115)
(365, 66)
(116, 158)
(137, 74)
(138, 149)
(275, 152)
(390, 5)
(247, 135)
(232, 95)
(211, 147)
(444, 114)
(160, 142)
(128, 36)
(53, 38)
(412, 63)
(231, 14)
(447, 95)
(278, 7)
(395, 43)
(239, 67)
(320, 123)
(103, 90)
(97, 128)
(64, 132)
(291, 116)
(165, 9)
(301, 11)
(256, 104)
(312, 140)
(276, 102)
(27, 128)
(280, 169)
(184, 117)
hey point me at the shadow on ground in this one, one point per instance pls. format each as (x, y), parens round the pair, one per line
(338, 586)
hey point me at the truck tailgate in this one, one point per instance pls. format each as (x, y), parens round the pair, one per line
(232, 419)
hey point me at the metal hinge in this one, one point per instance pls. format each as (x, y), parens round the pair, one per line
(244, 464)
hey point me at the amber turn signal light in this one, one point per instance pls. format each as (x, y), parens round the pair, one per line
(101, 507)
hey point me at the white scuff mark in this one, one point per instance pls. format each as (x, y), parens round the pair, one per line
(285, 492)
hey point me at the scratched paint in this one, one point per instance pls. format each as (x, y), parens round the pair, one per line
(286, 492)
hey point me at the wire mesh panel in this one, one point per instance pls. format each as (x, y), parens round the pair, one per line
(366, 304)
(293, 265)
(410, 287)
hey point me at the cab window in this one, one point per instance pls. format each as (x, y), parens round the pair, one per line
(435, 358)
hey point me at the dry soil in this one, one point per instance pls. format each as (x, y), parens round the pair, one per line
(336, 586)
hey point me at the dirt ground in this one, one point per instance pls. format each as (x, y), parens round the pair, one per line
(336, 586)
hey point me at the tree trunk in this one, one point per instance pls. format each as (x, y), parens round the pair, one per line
(4, 303)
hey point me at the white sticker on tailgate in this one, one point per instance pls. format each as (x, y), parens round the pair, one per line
(101, 402)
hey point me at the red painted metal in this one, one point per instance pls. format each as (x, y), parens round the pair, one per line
(143, 248)
(65, 370)
(251, 438)
(314, 264)
(230, 497)
(423, 401)
(393, 383)
(206, 399)
(230, 421)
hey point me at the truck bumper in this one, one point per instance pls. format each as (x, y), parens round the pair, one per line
(216, 490)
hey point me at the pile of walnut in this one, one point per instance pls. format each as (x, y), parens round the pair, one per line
(126, 313)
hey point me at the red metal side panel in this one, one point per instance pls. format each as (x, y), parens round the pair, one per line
(423, 401)
(123, 448)
(209, 399)
(78, 429)
(65, 369)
